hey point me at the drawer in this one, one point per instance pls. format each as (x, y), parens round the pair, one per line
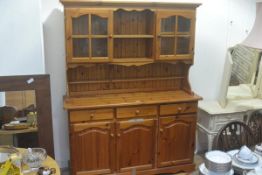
(139, 111)
(88, 115)
(178, 108)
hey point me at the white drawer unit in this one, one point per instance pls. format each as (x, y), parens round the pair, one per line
(211, 118)
(213, 122)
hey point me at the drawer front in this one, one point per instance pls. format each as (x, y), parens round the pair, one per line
(178, 108)
(89, 115)
(139, 111)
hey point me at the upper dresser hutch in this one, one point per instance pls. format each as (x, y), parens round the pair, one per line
(129, 101)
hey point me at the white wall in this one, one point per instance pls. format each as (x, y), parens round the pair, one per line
(214, 33)
(220, 24)
(20, 38)
(54, 47)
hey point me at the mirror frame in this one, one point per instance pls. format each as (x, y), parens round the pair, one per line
(41, 85)
(256, 88)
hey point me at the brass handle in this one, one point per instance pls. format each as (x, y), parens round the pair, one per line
(137, 112)
(111, 36)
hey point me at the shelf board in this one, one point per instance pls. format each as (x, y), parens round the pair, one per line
(114, 36)
(76, 60)
(124, 80)
(176, 57)
(133, 36)
(19, 131)
(90, 36)
(124, 60)
(174, 35)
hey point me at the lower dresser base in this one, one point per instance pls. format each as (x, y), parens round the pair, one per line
(186, 168)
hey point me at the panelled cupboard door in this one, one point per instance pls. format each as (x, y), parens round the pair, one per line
(175, 34)
(176, 139)
(135, 144)
(88, 35)
(92, 148)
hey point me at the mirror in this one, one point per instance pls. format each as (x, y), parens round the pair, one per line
(242, 74)
(18, 115)
(27, 98)
(244, 80)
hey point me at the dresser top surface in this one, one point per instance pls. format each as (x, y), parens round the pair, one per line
(184, 3)
(128, 99)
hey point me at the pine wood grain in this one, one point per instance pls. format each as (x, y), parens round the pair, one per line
(127, 99)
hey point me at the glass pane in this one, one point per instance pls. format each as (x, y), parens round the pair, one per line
(99, 47)
(80, 25)
(99, 25)
(167, 46)
(80, 47)
(168, 24)
(183, 24)
(183, 45)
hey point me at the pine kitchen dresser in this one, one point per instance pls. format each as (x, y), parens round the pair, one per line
(129, 101)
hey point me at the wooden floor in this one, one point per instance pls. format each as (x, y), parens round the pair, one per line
(198, 161)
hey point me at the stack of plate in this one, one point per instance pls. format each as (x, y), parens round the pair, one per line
(216, 163)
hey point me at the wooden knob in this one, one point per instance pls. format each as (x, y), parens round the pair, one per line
(92, 116)
(179, 109)
(161, 130)
(111, 36)
(118, 135)
(137, 111)
(112, 135)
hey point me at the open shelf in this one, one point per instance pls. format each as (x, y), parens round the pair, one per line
(113, 78)
(125, 80)
(133, 48)
(133, 22)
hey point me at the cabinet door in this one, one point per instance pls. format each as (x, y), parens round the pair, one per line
(175, 32)
(135, 144)
(176, 140)
(88, 35)
(92, 147)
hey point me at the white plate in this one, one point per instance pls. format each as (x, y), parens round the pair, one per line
(218, 157)
(253, 160)
(236, 163)
(202, 168)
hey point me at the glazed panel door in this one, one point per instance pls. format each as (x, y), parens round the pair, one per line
(92, 148)
(176, 140)
(88, 35)
(135, 144)
(175, 35)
